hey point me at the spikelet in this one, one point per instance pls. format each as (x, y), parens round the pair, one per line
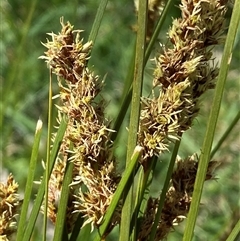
(10, 204)
(182, 74)
(87, 130)
(177, 201)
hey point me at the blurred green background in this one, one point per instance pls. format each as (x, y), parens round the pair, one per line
(24, 98)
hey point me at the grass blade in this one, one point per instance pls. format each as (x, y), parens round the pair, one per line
(164, 191)
(142, 195)
(235, 232)
(30, 179)
(98, 20)
(77, 226)
(121, 187)
(41, 190)
(135, 113)
(48, 157)
(61, 214)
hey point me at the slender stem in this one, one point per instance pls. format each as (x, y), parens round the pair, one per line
(207, 144)
(235, 232)
(121, 115)
(61, 214)
(98, 20)
(118, 194)
(144, 180)
(77, 227)
(164, 191)
(38, 201)
(48, 157)
(29, 184)
(135, 113)
(129, 78)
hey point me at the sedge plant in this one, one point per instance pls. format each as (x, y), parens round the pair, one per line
(82, 191)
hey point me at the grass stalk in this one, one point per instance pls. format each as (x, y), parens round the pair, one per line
(118, 194)
(144, 180)
(98, 20)
(29, 183)
(235, 232)
(135, 113)
(48, 157)
(77, 227)
(38, 201)
(164, 15)
(61, 214)
(164, 190)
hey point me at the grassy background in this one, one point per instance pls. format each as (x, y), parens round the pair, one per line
(24, 97)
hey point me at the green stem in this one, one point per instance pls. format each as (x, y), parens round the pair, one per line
(77, 227)
(97, 20)
(135, 114)
(235, 232)
(144, 180)
(118, 194)
(164, 191)
(61, 214)
(29, 184)
(207, 144)
(38, 201)
(48, 157)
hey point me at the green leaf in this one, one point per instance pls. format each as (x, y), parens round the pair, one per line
(62, 207)
(235, 232)
(30, 179)
(77, 227)
(98, 20)
(164, 191)
(135, 114)
(118, 194)
(37, 204)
